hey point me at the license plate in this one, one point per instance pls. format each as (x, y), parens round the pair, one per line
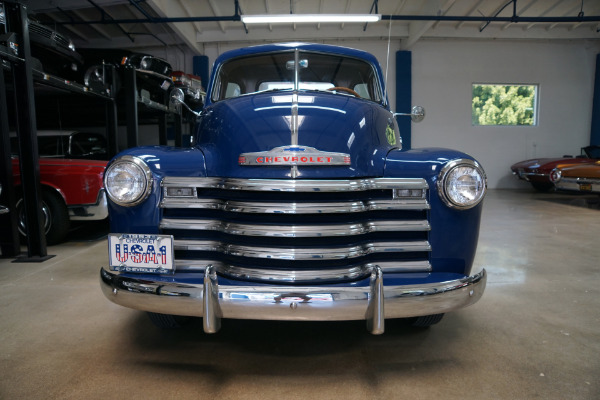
(141, 253)
(585, 187)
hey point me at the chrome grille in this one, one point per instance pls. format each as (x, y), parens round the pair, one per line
(297, 231)
(40, 30)
(49, 33)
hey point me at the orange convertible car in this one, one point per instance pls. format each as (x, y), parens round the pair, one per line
(581, 178)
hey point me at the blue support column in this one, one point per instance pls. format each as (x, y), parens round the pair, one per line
(595, 133)
(200, 65)
(404, 95)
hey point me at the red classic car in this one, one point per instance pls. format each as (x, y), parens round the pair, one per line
(70, 179)
(537, 171)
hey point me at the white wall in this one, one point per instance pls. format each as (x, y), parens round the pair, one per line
(443, 74)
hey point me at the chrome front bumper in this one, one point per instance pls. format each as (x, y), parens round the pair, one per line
(372, 303)
(576, 184)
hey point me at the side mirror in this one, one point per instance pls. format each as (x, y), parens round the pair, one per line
(176, 98)
(417, 114)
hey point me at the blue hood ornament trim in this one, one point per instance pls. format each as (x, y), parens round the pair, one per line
(294, 155)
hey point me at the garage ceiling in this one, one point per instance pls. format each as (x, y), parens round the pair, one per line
(193, 23)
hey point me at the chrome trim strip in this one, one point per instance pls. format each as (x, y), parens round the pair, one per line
(297, 185)
(325, 253)
(295, 303)
(532, 174)
(291, 231)
(295, 208)
(92, 212)
(290, 276)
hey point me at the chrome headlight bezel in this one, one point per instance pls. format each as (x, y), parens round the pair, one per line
(145, 63)
(443, 184)
(137, 168)
(555, 175)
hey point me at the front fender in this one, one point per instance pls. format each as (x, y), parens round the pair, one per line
(162, 161)
(454, 233)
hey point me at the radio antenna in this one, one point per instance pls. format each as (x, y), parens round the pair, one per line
(387, 62)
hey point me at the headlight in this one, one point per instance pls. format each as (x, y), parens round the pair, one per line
(145, 63)
(462, 184)
(128, 181)
(555, 175)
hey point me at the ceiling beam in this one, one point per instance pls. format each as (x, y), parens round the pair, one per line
(185, 32)
(188, 13)
(99, 29)
(417, 29)
(216, 12)
(470, 12)
(521, 11)
(548, 11)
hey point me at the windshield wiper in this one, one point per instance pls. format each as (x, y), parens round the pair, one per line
(269, 91)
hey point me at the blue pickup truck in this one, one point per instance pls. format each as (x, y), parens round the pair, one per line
(296, 201)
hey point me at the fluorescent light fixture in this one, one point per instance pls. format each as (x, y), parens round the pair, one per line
(308, 18)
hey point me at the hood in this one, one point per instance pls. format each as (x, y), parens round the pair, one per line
(548, 164)
(589, 170)
(536, 163)
(264, 127)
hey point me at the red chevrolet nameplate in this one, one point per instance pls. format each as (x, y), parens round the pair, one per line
(294, 155)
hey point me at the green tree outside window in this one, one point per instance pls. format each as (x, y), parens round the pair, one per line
(504, 104)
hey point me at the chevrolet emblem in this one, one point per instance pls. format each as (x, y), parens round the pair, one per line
(294, 155)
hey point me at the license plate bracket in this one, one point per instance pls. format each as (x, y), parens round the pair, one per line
(141, 253)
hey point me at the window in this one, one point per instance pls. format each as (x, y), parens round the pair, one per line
(86, 145)
(276, 71)
(504, 105)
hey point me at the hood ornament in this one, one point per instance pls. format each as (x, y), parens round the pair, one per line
(294, 155)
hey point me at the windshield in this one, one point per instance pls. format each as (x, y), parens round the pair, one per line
(316, 71)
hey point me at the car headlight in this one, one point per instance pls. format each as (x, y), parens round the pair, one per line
(555, 175)
(462, 184)
(128, 181)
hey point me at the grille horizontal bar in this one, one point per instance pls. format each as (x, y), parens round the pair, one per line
(295, 230)
(297, 185)
(295, 275)
(313, 253)
(296, 207)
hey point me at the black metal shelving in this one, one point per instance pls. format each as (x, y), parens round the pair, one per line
(26, 81)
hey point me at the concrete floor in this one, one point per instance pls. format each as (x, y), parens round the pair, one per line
(535, 334)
